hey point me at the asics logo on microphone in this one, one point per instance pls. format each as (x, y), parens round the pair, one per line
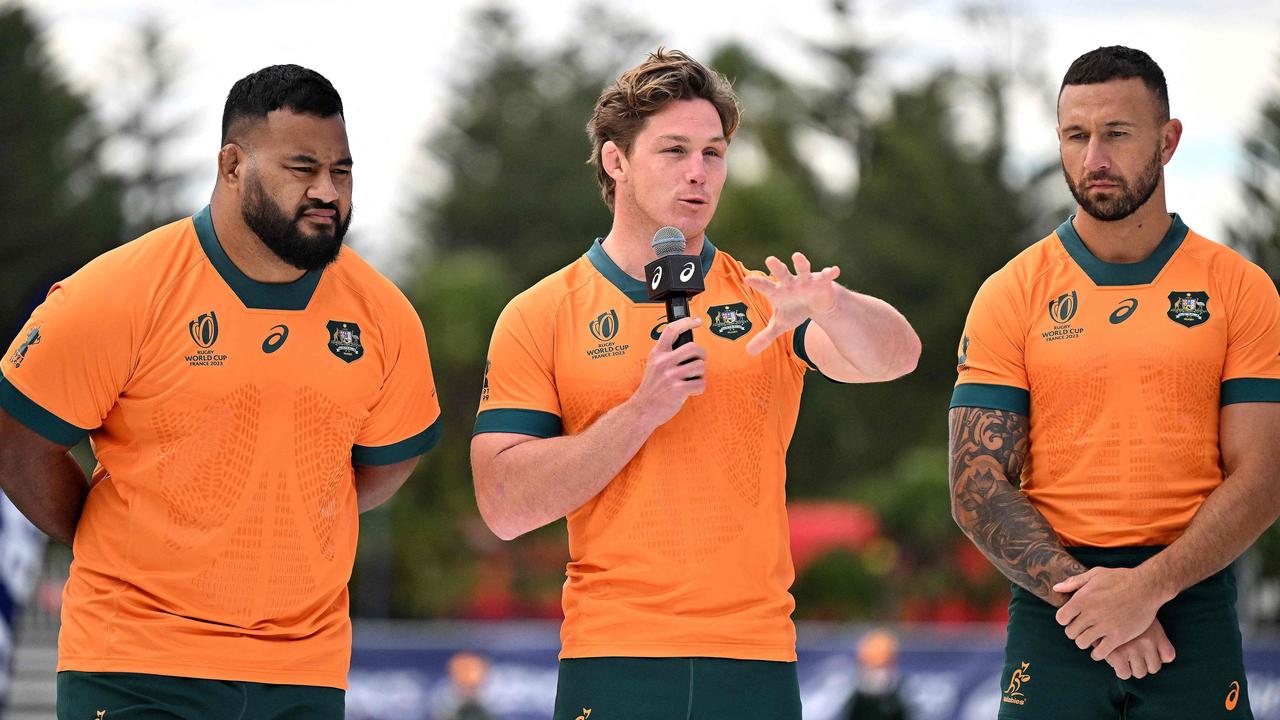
(657, 277)
(685, 273)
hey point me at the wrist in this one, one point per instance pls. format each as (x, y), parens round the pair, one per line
(1161, 587)
(639, 416)
(820, 315)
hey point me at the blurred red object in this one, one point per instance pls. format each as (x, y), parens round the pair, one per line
(821, 526)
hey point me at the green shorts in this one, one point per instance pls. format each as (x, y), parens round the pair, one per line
(135, 696)
(1046, 677)
(676, 689)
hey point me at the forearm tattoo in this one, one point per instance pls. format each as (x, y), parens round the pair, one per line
(988, 450)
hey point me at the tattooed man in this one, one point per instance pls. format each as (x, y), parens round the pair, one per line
(1113, 429)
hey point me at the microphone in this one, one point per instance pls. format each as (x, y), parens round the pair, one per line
(674, 277)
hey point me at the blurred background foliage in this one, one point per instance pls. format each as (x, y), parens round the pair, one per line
(924, 207)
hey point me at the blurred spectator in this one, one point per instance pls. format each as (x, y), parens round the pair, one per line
(879, 692)
(467, 672)
(21, 548)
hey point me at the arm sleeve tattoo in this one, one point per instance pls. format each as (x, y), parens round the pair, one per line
(988, 450)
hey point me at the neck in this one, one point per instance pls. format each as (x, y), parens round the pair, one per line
(243, 246)
(630, 246)
(1129, 240)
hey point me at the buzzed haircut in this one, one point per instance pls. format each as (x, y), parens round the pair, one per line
(1116, 62)
(625, 106)
(279, 86)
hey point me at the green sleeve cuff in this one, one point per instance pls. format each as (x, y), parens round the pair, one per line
(37, 419)
(391, 454)
(1242, 390)
(992, 397)
(797, 344)
(523, 422)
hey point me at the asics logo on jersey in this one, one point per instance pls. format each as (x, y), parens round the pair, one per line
(1122, 313)
(204, 330)
(275, 339)
(1233, 696)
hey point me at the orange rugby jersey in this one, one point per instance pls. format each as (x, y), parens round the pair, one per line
(225, 414)
(685, 552)
(1122, 370)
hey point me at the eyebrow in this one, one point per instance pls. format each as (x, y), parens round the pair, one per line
(1109, 123)
(685, 138)
(303, 158)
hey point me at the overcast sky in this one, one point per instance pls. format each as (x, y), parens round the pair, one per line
(394, 66)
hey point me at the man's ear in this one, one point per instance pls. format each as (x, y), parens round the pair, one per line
(614, 161)
(232, 162)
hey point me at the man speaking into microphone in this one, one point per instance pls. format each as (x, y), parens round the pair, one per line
(668, 459)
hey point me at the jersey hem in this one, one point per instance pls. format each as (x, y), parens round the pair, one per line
(203, 671)
(730, 651)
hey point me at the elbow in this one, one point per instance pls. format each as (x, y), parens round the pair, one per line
(499, 521)
(908, 357)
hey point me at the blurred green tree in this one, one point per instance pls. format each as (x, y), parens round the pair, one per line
(1257, 233)
(61, 207)
(147, 128)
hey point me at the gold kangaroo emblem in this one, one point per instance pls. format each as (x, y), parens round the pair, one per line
(586, 713)
(1019, 676)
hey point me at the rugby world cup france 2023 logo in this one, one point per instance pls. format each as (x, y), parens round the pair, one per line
(1064, 308)
(1061, 311)
(605, 327)
(204, 330)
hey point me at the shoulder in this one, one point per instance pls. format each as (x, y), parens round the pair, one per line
(1014, 280)
(146, 266)
(545, 297)
(1225, 264)
(377, 290)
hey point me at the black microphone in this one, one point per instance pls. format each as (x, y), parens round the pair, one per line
(674, 277)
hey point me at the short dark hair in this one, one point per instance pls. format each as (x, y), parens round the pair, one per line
(279, 86)
(1116, 62)
(625, 106)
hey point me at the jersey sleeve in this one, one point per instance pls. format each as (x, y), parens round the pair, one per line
(1251, 372)
(519, 390)
(991, 363)
(69, 364)
(405, 420)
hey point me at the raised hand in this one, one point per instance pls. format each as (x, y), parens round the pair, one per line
(795, 297)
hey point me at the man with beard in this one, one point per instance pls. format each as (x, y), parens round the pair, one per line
(1113, 429)
(249, 385)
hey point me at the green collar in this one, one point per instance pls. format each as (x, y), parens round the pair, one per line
(255, 295)
(1103, 273)
(634, 289)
